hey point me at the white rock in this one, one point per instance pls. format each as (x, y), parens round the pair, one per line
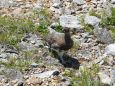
(19, 0)
(55, 24)
(92, 20)
(38, 4)
(79, 2)
(70, 21)
(26, 46)
(4, 60)
(113, 75)
(67, 11)
(113, 5)
(6, 3)
(32, 41)
(110, 49)
(46, 74)
(56, 3)
(113, 1)
(103, 35)
(57, 11)
(34, 64)
(3, 55)
(105, 79)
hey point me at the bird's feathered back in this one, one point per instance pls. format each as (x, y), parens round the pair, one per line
(59, 40)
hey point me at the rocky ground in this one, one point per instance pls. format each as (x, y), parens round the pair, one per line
(28, 62)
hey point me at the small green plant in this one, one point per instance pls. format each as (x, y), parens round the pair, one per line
(94, 13)
(69, 73)
(112, 19)
(87, 76)
(113, 32)
(44, 16)
(12, 30)
(75, 47)
(18, 64)
(108, 20)
(1, 72)
(58, 28)
(87, 27)
(33, 55)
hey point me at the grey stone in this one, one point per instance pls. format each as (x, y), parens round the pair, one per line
(30, 42)
(70, 21)
(34, 64)
(67, 11)
(92, 20)
(21, 83)
(46, 74)
(105, 79)
(58, 2)
(113, 1)
(8, 49)
(66, 82)
(50, 60)
(3, 60)
(31, 37)
(6, 3)
(54, 24)
(11, 51)
(84, 35)
(110, 49)
(103, 35)
(3, 55)
(69, 0)
(13, 74)
(38, 5)
(26, 46)
(56, 11)
(84, 53)
(113, 5)
(113, 76)
(79, 2)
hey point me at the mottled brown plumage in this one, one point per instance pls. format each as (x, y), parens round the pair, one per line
(62, 41)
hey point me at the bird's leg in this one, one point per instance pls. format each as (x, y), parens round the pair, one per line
(61, 54)
(55, 52)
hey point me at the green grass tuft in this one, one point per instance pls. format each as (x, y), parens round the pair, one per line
(17, 64)
(87, 77)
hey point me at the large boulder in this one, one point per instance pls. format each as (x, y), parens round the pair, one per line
(6, 3)
(105, 79)
(46, 74)
(70, 21)
(110, 49)
(79, 2)
(103, 35)
(92, 20)
(113, 1)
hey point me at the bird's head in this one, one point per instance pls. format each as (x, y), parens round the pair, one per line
(66, 30)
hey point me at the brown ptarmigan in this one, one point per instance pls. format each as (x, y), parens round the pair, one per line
(60, 42)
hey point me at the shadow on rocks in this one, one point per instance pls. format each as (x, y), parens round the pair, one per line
(69, 62)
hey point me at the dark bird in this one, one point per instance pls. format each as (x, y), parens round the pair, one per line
(60, 42)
